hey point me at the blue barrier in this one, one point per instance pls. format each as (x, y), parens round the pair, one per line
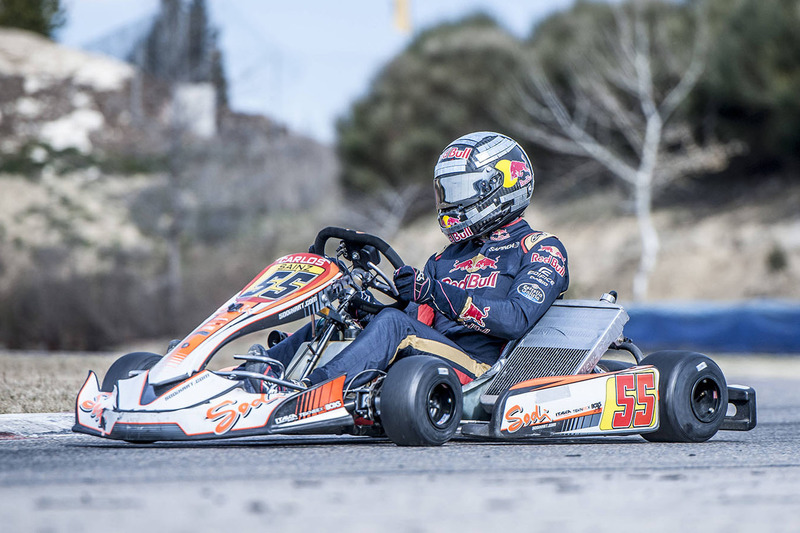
(754, 326)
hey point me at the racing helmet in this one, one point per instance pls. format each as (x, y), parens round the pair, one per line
(482, 180)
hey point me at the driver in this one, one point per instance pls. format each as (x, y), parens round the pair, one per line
(489, 286)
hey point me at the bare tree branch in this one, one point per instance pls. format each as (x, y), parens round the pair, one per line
(696, 67)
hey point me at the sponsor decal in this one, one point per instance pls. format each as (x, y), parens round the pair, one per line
(315, 401)
(552, 250)
(286, 419)
(455, 153)
(502, 248)
(95, 408)
(474, 281)
(513, 172)
(530, 241)
(631, 401)
(500, 235)
(330, 406)
(187, 386)
(543, 275)
(517, 418)
(448, 222)
(229, 412)
(309, 307)
(479, 262)
(475, 314)
(532, 292)
(304, 259)
(550, 260)
(281, 283)
(460, 235)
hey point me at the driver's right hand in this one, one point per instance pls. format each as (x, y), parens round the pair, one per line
(413, 285)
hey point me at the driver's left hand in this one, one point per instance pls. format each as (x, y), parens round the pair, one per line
(413, 285)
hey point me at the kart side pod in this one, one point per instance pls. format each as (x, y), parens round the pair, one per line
(617, 403)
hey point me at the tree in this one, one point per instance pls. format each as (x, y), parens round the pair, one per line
(613, 96)
(435, 91)
(751, 86)
(40, 16)
(180, 49)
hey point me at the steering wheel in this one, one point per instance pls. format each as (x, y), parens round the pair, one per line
(364, 251)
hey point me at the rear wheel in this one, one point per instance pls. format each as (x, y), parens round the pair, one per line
(420, 402)
(122, 367)
(693, 396)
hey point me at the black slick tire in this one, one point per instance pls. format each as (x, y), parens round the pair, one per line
(122, 367)
(420, 402)
(693, 396)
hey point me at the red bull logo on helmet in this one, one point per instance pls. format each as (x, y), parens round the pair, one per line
(455, 153)
(513, 172)
(458, 236)
(474, 314)
(479, 262)
(448, 222)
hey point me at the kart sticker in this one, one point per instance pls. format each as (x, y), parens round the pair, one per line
(228, 413)
(286, 276)
(316, 401)
(517, 418)
(282, 282)
(95, 407)
(631, 401)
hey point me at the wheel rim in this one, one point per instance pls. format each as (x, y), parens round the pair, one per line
(706, 399)
(441, 404)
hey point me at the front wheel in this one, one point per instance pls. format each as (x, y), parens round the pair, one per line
(693, 396)
(420, 402)
(122, 367)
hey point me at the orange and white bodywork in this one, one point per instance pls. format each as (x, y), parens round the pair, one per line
(286, 290)
(623, 402)
(205, 406)
(178, 399)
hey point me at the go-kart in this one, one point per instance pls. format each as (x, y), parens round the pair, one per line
(554, 382)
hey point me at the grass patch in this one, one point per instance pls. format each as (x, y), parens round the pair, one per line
(43, 383)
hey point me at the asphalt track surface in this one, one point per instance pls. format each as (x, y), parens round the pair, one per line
(738, 481)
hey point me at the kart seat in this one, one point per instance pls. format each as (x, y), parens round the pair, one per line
(568, 339)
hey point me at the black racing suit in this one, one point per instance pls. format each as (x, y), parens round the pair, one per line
(486, 292)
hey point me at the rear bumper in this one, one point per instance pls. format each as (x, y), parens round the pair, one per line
(741, 409)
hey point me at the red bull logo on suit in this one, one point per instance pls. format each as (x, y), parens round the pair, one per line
(479, 262)
(474, 281)
(475, 314)
(552, 250)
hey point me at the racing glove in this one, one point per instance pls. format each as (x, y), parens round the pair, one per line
(413, 285)
(417, 286)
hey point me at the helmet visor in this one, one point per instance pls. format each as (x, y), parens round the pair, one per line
(464, 189)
